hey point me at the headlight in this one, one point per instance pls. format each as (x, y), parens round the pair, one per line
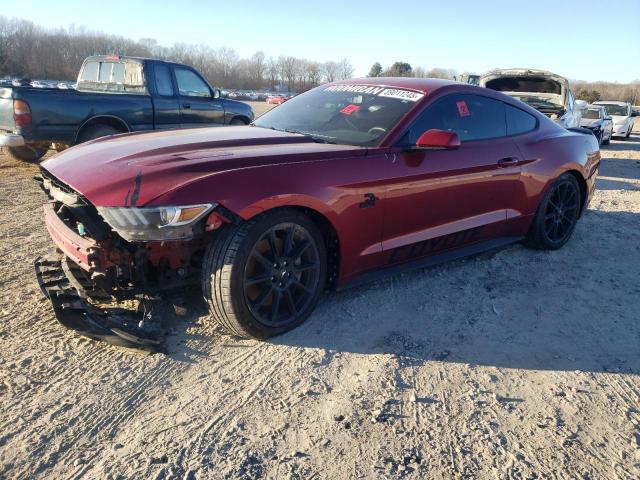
(154, 223)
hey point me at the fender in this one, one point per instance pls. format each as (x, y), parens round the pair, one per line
(113, 118)
(289, 200)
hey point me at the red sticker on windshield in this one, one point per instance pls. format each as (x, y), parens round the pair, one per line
(463, 110)
(349, 109)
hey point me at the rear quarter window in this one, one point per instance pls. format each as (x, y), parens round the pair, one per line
(519, 121)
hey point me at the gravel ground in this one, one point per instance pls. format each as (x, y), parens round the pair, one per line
(516, 364)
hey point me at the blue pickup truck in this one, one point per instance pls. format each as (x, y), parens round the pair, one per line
(114, 95)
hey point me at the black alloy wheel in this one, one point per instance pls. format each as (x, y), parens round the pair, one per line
(282, 274)
(562, 212)
(557, 214)
(263, 277)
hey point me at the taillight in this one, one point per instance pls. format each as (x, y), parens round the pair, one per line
(21, 113)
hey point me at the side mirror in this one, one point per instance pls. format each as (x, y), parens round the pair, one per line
(581, 104)
(438, 140)
(216, 93)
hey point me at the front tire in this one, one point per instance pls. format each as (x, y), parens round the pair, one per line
(264, 277)
(557, 215)
(26, 153)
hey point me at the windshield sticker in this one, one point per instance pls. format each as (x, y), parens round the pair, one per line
(401, 94)
(463, 110)
(397, 93)
(349, 109)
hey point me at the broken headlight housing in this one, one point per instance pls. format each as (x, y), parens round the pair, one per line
(154, 223)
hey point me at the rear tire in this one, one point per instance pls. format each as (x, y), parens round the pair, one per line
(237, 121)
(97, 131)
(26, 153)
(557, 215)
(264, 277)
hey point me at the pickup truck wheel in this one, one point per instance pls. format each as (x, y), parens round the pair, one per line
(97, 131)
(26, 153)
(557, 215)
(265, 277)
(237, 121)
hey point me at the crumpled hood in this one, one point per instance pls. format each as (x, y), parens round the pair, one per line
(133, 169)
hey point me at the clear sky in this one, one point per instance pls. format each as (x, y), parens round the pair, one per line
(581, 39)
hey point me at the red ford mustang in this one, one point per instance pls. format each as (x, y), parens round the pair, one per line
(343, 183)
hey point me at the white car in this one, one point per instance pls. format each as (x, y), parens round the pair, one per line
(623, 117)
(545, 91)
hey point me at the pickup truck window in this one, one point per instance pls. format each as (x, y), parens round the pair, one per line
(190, 84)
(118, 72)
(163, 80)
(90, 72)
(107, 76)
(105, 72)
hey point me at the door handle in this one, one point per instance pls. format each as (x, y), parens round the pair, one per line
(507, 162)
(186, 105)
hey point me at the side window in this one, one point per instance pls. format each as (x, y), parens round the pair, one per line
(519, 121)
(472, 117)
(163, 80)
(190, 84)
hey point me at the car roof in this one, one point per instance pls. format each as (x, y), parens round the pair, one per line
(424, 85)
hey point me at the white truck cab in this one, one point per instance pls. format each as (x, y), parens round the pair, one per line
(545, 91)
(623, 117)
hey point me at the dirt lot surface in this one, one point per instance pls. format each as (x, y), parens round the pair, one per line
(516, 364)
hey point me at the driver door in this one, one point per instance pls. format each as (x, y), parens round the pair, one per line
(444, 199)
(198, 107)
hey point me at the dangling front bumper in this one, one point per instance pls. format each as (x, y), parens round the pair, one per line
(115, 326)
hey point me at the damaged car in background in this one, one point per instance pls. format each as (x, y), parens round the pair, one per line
(596, 119)
(345, 183)
(547, 92)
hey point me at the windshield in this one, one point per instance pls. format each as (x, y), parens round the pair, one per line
(346, 114)
(613, 109)
(591, 114)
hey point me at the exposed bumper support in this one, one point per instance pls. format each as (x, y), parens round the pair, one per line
(115, 326)
(11, 140)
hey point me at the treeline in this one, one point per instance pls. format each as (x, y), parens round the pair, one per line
(31, 51)
(594, 91)
(404, 69)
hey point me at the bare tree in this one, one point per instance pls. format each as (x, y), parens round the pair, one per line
(345, 69)
(330, 71)
(272, 71)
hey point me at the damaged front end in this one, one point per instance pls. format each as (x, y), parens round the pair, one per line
(99, 267)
